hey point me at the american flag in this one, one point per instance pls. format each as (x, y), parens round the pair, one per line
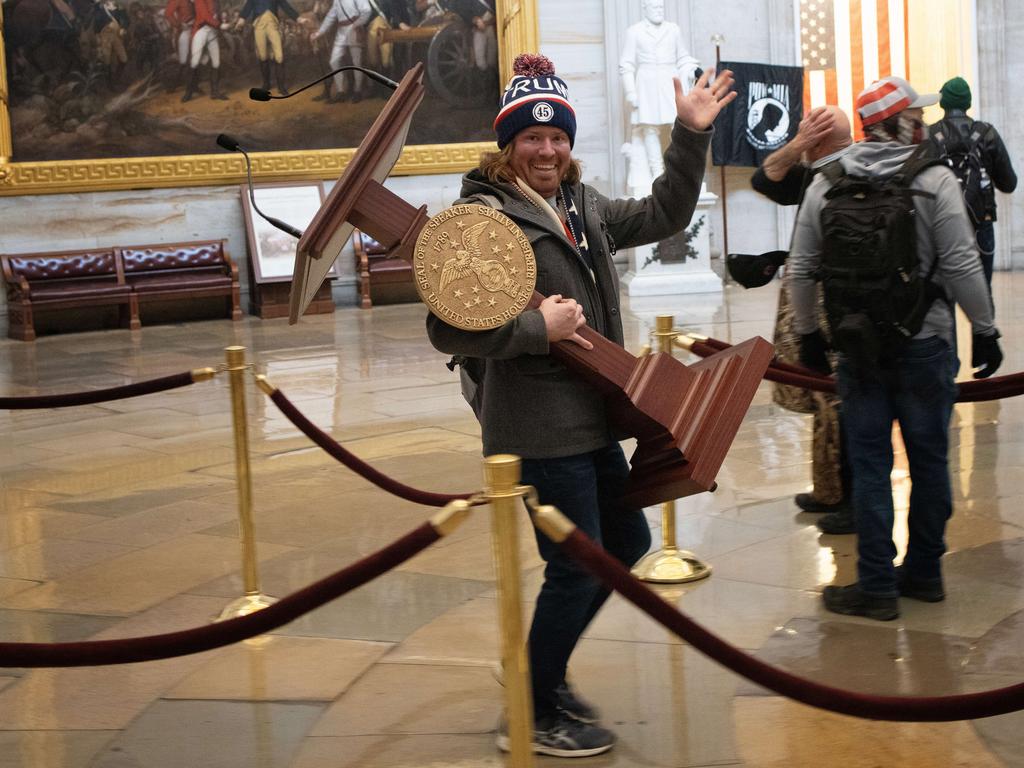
(846, 45)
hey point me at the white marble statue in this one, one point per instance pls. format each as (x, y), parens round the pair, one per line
(652, 55)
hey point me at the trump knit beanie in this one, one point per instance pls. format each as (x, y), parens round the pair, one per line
(956, 94)
(534, 96)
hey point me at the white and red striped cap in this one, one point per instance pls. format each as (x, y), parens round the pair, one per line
(885, 97)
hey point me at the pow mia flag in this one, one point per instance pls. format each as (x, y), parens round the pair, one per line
(764, 116)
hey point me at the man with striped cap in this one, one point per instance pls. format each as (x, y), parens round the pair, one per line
(885, 229)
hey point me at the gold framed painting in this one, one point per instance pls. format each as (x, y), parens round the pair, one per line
(121, 94)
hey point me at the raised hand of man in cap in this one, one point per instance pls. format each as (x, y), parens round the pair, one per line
(698, 109)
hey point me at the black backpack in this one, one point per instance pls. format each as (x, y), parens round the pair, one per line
(875, 297)
(963, 155)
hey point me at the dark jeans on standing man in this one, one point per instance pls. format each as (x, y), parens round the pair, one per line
(585, 488)
(918, 391)
(986, 238)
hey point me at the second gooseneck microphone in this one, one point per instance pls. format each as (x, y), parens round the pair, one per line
(262, 94)
(231, 145)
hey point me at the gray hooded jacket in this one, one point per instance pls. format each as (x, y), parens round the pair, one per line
(527, 402)
(944, 232)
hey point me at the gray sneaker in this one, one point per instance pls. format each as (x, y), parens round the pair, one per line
(574, 706)
(568, 700)
(563, 736)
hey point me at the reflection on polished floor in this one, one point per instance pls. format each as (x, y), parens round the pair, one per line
(120, 519)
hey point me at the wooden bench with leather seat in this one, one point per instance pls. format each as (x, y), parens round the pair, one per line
(182, 270)
(64, 280)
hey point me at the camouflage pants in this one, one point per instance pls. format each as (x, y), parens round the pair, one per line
(826, 443)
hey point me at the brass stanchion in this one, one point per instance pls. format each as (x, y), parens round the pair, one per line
(669, 565)
(253, 600)
(501, 480)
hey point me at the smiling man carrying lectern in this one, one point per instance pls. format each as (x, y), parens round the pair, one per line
(547, 376)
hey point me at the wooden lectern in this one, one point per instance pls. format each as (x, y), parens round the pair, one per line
(683, 417)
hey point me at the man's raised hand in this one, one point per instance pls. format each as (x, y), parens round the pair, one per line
(698, 109)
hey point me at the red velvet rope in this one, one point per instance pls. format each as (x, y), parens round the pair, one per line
(98, 395)
(968, 706)
(197, 639)
(357, 465)
(980, 390)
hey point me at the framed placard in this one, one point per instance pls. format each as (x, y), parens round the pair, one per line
(271, 250)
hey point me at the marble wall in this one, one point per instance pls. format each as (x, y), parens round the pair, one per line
(998, 100)
(583, 38)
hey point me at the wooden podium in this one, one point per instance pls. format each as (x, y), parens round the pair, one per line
(683, 417)
(271, 300)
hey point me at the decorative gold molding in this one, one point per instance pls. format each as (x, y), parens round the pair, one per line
(517, 25)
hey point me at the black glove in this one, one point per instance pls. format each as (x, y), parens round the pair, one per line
(986, 354)
(813, 352)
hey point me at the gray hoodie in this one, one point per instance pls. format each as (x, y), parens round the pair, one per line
(944, 232)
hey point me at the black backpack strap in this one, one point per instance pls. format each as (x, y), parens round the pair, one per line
(924, 156)
(977, 134)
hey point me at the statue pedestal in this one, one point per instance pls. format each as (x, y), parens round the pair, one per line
(681, 264)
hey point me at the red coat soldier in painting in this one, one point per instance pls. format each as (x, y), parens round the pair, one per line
(205, 48)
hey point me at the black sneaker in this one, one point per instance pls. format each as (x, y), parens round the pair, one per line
(562, 736)
(575, 707)
(808, 503)
(838, 523)
(926, 590)
(850, 601)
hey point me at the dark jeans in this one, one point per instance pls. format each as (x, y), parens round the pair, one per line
(918, 392)
(585, 488)
(986, 237)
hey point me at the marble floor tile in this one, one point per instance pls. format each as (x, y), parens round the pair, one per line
(217, 734)
(148, 527)
(21, 526)
(139, 579)
(52, 749)
(279, 668)
(1000, 734)
(39, 627)
(675, 711)
(741, 613)
(10, 587)
(776, 733)
(875, 658)
(804, 559)
(467, 634)
(89, 698)
(144, 493)
(54, 558)
(390, 751)
(469, 551)
(435, 699)
(1000, 651)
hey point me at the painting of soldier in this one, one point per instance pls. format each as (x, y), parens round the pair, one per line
(98, 79)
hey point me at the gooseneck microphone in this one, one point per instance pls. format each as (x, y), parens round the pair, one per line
(231, 145)
(262, 94)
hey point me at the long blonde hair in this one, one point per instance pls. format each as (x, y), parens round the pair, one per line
(497, 166)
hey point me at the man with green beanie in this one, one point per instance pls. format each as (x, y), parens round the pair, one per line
(977, 155)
